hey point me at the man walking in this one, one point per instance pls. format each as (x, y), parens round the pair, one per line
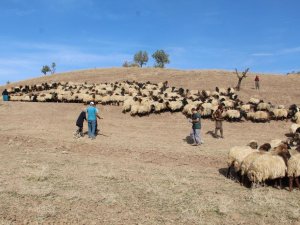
(256, 80)
(195, 134)
(219, 119)
(92, 112)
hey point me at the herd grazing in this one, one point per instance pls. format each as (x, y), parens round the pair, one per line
(142, 99)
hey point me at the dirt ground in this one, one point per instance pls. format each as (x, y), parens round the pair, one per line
(138, 170)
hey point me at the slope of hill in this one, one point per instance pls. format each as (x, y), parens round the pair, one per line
(278, 89)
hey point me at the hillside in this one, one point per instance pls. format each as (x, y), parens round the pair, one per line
(278, 89)
(139, 170)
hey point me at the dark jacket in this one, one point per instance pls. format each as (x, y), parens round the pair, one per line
(5, 92)
(81, 119)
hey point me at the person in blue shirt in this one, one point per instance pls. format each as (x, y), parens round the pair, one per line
(92, 112)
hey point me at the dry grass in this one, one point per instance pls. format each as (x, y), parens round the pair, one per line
(140, 170)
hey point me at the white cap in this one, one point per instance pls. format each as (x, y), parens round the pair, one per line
(92, 103)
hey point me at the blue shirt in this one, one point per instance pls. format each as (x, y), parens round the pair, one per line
(92, 113)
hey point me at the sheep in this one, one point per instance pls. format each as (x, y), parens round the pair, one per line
(206, 110)
(293, 168)
(293, 109)
(269, 166)
(246, 163)
(254, 101)
(245, 107)
(222, 91)
(263, 106)
(236, 156)
(294, 128)
(296, 118)
(228, 104)
(261, 116)
(232, 115)
(159, 106)
(176, 106)
(280, 114)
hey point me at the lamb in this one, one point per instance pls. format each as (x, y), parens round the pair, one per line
(270, 166)
(293, 168)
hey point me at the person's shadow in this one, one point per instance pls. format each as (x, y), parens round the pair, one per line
(188, 139)
(212, 134)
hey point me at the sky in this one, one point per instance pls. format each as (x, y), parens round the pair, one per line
(263, 35)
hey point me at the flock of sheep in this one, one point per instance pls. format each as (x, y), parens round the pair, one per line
(270, 161)
(145, 98)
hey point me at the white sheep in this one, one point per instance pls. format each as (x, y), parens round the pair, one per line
(232, 115)
(254, 101)
(280, 114)
(293, 168)
(296, 118)
(236, 155)
(263, 106)
(269, 166)
(261, 116)
(294, 128)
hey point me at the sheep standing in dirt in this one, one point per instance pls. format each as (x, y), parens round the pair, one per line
(293, 169)
(236, 155)
(270, 166)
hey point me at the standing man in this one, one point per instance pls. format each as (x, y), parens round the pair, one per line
(92, 112)
(5, 95)
(256, 83)
(219, 119)
(195, 134)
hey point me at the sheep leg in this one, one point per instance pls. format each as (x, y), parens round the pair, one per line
(297, 182)
(228, 171)
(291, 179)
(243, 180)
(280, 183)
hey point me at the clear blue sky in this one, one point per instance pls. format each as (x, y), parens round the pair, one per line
(212, 34)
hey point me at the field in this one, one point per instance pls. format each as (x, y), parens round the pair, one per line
(138, 170)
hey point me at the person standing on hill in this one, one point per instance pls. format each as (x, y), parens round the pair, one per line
(256, 80)
(196, 127)
(92, 112)
(219, 119)
(5, 95)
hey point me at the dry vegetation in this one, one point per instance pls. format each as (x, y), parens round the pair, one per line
(139, 170)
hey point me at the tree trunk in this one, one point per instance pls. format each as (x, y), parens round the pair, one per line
(238, 86)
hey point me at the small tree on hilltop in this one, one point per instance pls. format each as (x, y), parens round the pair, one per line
(141, 58)
(240, 78)
(161, 58)
(53, 68)
(45, 69)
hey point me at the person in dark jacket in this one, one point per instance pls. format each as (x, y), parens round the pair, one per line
(256, 83)
(79, 123)
(5, 95)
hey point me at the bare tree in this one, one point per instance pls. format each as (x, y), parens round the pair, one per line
(240, 78)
